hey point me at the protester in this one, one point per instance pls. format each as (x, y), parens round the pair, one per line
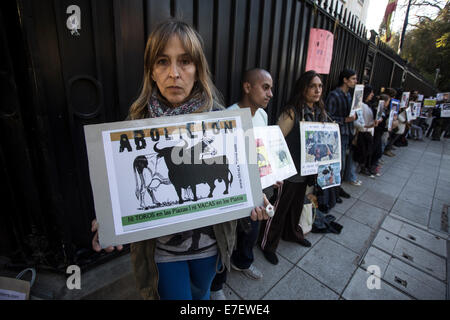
(364, 134)
(256, 94)
(389, 136)
(338, 106)
(305, 104)
(177, 81)
(379, 131)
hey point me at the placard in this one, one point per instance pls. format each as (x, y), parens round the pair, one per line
(380, 109)
(395, 105)
(357, 99)
(274, 159)
(429, 102)
(392, 114)
(445, 110)
(320, 51)
(404, 101)
(420, 98)
(320, 145)
(156, 177)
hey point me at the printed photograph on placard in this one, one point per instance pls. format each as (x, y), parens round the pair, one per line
(380, 109)
(420, 98)
(357, 99)
(395, 105)
(404, 101)
(417, 109)
(320, 144)
(360, 118)
(273, 157)
(429, 103)
(445, 110)
(329, 175)
(425, 111)
(391, 119)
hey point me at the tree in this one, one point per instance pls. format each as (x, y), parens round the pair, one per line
(427, 47)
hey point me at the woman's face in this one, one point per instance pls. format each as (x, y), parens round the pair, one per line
(370, 96)
(174, 72)
(314, 90)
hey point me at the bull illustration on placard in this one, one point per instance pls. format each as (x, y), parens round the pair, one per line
(196, 171)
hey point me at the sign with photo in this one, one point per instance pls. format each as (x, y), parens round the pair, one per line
(445, 110)
(443, 97)
(360, 118)
(329, 175)
(404, 101)
(410, 112)
(320, 145)
(391, 119)
(420, 98)
(357, 99)
(425, 111)
(274, 159)
(395, 105)
(380, 109)
(417, 109)
(156, 177)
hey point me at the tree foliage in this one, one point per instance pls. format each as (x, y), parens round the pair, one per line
(427, 47)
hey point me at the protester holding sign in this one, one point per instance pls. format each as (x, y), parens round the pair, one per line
(177, 81)
(305, 104)
(256, 94)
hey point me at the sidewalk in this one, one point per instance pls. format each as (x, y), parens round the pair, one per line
(393, 222)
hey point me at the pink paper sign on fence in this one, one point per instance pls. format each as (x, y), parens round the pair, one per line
(320, 51)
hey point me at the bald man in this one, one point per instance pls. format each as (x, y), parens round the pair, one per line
(256, 94)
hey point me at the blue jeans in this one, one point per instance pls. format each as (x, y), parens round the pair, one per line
(186, 280)
(243, 254)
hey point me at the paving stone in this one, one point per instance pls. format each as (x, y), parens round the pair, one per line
(345, 205)
(376, 257)
(399, 173)
(436, 221)
(366, 214)
(293, 251)
(414, 282)
(249, 289)
(425, 190)
(298, 285)
(378, 199)
(392, 225)
(354, 191)
(412, 212)
(354, 235)
(358, 289)
(443, 194)
(424, 239)
(230, 294)
(421, 259)
(330, 263)
(393, 179)
(386, 188)
(423, 180)
(385, 241)
(416, 198)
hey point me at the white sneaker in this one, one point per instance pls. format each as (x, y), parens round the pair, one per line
(356, 183)
(252, 272)
(218, 295)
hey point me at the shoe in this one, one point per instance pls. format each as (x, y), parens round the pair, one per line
(343, 194)
(389, 153)
(304, 243)
(323, 208)
(252, 272)
(218, 295)
(338, 200)
(271, 257)
(381, 161)
(356, 183)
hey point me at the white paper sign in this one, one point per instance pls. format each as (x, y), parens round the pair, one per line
(357, 99)
(445, 110)
(156, 177)
(320, 145)
(274, 159)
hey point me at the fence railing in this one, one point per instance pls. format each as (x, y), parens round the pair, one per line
(59, 82)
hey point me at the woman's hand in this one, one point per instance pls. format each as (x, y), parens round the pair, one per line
(259, 213)
(95, 244)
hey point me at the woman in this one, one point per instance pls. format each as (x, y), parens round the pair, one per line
(380, 129)
(177, 81)
(365, 132)
(305, 104)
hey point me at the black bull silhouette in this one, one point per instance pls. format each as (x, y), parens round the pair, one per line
(195, 170)
(320, 150)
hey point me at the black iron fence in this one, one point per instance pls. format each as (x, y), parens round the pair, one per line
(53, 83)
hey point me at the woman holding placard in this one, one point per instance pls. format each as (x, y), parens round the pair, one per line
(177, 81)
(305, 104)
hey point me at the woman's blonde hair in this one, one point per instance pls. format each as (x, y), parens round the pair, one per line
(192, 43)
